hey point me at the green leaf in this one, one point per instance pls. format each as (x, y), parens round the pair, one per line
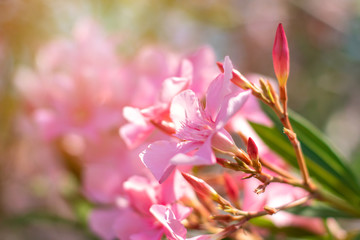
(319, 210)
(320, 153)
(319, 169)
(316, 145)
(287, 230)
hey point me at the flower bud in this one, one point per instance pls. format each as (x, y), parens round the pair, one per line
(201, 187)
(238, 79)
(253, 153)
(281, 59)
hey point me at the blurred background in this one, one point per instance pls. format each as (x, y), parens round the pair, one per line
(324, 83)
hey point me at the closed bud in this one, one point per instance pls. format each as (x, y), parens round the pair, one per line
(281, 59)
(201, 187)
(253, 153)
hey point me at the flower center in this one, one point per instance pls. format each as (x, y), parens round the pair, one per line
(195, 131)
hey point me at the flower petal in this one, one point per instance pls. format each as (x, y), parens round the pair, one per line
(203, 156)
(185, 107)
(157, 158)
(174, 230)
(218, 89)
(174, 85)
(171, 87)
(231, 105)
(134, 134)
(102, 220)
(175, 188)
(154, 234)
(130, 223)
(141, 193)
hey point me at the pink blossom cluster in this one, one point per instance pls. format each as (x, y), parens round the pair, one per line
(133, 124)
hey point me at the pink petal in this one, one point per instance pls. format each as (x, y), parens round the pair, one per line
(205, 152)
(202, 237)
(231, 105)
(214, 96)
(205, 69)
(228, 67)
(180, 211)
(157, 158)
(102, 222)
(134, 115)
(175, 188)
(141, 193)
(134, 134)
(130, 223)
(174, 85)
(251, 200)
(49, 126)
(155, 234)
(174, 230)
(184, 107)
(217, 90)
(102, 182)
(203, 156)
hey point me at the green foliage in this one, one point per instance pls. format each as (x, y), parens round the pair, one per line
(326, 166)
(289, 231)
(319, 210)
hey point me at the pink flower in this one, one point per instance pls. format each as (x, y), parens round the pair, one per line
(278, 194)
(148, 212)
(199, 129)
(192, 72)
(107, 164)
(173, 228)
(75, 86)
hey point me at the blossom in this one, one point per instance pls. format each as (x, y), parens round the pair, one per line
(199, 129)
(75, 86)
(278, 194)
(148, 211)
(191, 71)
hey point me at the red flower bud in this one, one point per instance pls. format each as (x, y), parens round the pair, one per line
(281, 59)
(252, 150)
(253, 153)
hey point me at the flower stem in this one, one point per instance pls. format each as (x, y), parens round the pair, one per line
(293, 138)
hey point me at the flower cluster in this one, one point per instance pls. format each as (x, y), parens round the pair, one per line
(131, 126)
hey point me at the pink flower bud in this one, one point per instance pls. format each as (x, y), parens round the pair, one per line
(200, 186)
(281, 59)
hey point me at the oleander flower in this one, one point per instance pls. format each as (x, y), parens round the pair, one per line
(75, 86)
(199, 129)
(148, 211)
(178, 73)
(276, 195)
